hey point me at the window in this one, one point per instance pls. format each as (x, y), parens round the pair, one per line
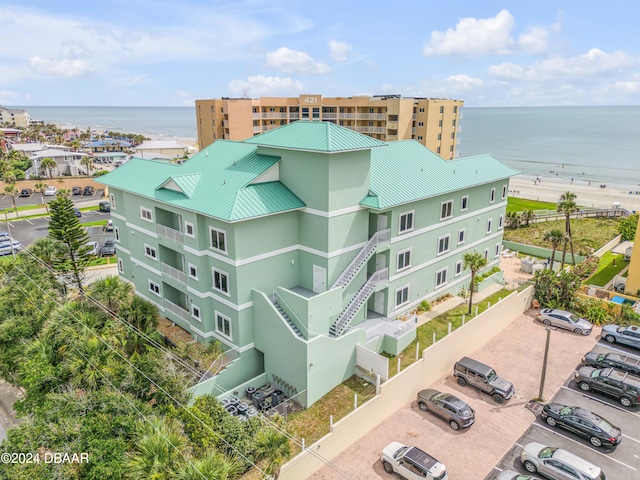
(402, 296)
(486, 253)
(419, 137)
(116, 233)
(421, 110)
(145, 214)
(446, 210)
(438, 151)
(453, 135)
(458, 267)
(497, 250)
(442, 110)
(218, 240)
(193, 271)
(500, 221)
(305, 112)
(493, 195)
(195, 312)
(406, 222)
(441, 277)
(316, 113)
(404, 259)
(464, 203)
(455, 109)
(223, 325)
(150, 252)
(220, 281)
(154, 288)
(504, 192)
(120, 266)
(439, 137)
(112, 199)
(440, 123)
(189, 229)
(461, 236)
(421, 124)
(451, 148)
(489, 222)
(443, 244)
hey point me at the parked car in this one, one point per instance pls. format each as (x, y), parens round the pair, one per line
(88, 190)
(76, 190)
(108, 227)
(5, 247)
(3, 235)
(582, 422)
(556, 463)
(513, 475)
(50, 191)
(411, 463)
(94, 247)
(626, 363)
(104, 206)
(612, 382)
(77, 212)
(455, 411)
(26, 192)
(483, 377)
(108, 247)
(624, 335)
(566, 320)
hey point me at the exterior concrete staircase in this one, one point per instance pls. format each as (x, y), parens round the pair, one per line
(287, 319)
(357, 302)
(362, 257)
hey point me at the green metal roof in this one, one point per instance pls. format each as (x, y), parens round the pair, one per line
(406, 171)
(315, 136)
(216, 182)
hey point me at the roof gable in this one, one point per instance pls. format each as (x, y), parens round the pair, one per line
(185, 184)
(315, 136)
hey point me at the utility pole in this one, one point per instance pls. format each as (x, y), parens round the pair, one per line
(544, 362)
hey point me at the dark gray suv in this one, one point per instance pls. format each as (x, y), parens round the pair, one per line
(483, 377)
(612, 382)
(456, 412)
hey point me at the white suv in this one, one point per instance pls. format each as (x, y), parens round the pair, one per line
(411, 463)
(557, 463)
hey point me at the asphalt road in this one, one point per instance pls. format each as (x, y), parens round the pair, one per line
(36, 199)
(622, 462)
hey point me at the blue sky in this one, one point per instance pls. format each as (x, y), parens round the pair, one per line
(165, 53)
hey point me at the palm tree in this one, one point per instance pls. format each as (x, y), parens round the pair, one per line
(41, 187)
(112, 292)
(513, 219)
(567, 206)
(87, 162)
(48, 164)
(527, 217)
(474, 262)
(275, 447)
(141, 314)
(46, 249)
(212, 466)
(13, 192)
(555, 237)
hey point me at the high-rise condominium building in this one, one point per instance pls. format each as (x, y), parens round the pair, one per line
(434, 122)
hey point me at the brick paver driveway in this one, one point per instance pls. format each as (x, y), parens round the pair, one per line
(516, 354)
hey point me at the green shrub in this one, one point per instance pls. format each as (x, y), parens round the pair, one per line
(480, 278)
(627, 227)
(99, 173)
(593, 310)
(587, 268)
(425, 306)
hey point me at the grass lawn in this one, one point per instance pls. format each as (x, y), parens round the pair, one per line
(588, 233)
(22, 208)
(440, 326)
(104, 261)
(95, 223)
(520, 204)
(313, 423)
(609, 266)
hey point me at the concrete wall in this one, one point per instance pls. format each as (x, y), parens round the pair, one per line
(436, 361)
(608, 246)
(540, 251)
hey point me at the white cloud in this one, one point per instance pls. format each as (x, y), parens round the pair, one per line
(292, 61)
(61, 68)
(259, 85)
(7, 97)
(454, 86)
(476, 37)
(340, 51)
(185, 99)
(583, 67)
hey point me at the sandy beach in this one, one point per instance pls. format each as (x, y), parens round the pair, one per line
(550, 189)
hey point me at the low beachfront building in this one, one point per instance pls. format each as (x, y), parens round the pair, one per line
(157, 149)
(108, 145)
(67, 162)
(14, 117)
(301, 249)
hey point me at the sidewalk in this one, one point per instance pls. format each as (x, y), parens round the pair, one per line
(453, 302)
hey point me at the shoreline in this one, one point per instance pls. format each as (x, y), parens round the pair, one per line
(550, 190)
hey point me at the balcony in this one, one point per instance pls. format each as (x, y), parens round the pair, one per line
(256, 115)
(174, 273)
(177, 310)
(274, 115)
(350, 116)
(368, 129)
(371, 116)
(329, 115)
(392, 125)
(458, 129)
(392, 137)
(294, 115)
(460, 116)
(256, 129)
(413, 131)
(170, 233)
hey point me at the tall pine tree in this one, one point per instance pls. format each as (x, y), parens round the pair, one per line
(65, 227)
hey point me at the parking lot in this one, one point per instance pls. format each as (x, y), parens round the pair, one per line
(621, 463)
(516, 354)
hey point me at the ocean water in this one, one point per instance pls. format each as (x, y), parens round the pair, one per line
(589, 144)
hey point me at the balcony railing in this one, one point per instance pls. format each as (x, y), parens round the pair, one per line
(257, 129)
(368, 129)
(371, 116)
(347, 115)
(294, 115)
(174, 273)
(177, 310)
(256, 115)
(329, 115)
(170, 233)
(274, 115)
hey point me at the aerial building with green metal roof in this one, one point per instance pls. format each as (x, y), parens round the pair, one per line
(302, 249)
